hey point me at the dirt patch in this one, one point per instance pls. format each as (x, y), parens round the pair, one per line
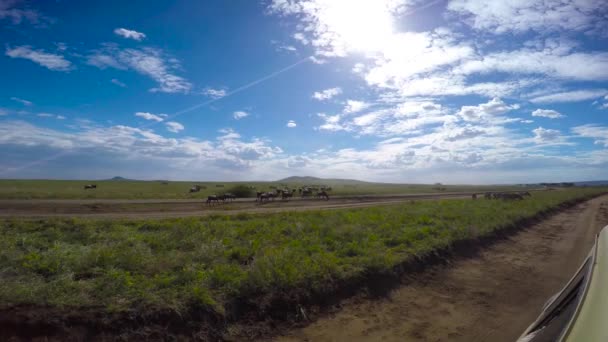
(491, 297)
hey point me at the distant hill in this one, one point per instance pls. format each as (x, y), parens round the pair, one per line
(121, 179)
(310, 179)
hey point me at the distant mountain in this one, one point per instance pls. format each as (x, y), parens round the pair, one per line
(121, 179)
(313, 180)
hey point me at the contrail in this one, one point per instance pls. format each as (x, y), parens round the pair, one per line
(178, 113)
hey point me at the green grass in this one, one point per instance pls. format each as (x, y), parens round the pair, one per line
(69, 189)
(192, 262)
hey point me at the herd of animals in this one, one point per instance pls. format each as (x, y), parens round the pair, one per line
(504, 195)
(319, 192)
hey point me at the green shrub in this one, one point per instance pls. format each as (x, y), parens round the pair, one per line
(241, 191)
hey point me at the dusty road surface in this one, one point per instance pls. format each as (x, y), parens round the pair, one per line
(492, 296)
(100, 208)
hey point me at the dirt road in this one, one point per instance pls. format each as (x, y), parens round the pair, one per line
(492, 296)
(182, 208)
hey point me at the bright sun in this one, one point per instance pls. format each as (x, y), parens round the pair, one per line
(360, 25)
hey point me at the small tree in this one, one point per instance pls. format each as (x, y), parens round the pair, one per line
(241, 191)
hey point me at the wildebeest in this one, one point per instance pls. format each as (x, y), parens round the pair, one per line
(195, 188)
(525, 193)
(214, 199)
(229, 196)
(512, 196)
(474, 196)
(306, 192)
(263, 196)
(488, 195)
(90, 186)
(322, 194)
(286, 195)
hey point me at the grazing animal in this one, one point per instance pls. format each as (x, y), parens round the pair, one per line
(90, 186)
(525, 193)
(322, 194)
(213, 199)
(487, 195)
(510, 196)
(263, 196)
(229, 196)
(474, 196)
(286, 195)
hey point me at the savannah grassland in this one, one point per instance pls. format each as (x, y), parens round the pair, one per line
(213, 262)
(70, 189)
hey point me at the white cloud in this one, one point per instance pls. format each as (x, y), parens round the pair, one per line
(547, 113)
(118, 83)
(412, 54)
(291, 124)
(174, 127)
(297, 162)
(22, 101)
(554, 59)
(486, 111)
(49, 115)
(327, 93)
(9, 10)
(240, 115)
(150, 62)
(596, 132)
(214, 93)
(131, 34)
(48, 60)
(121, 144)
(396, 119)
(543, 135)
(358, 68)
(354, 106)
(571, 96)
(538, 15)
(289, 48)
(150, 116)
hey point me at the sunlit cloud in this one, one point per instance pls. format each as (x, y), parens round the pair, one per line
(130, 34)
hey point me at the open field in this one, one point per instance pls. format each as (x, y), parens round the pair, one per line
(229, 266)
(69, 189)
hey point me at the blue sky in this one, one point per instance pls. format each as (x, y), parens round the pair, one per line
(459, 91)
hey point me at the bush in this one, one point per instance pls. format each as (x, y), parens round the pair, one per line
(241, 191)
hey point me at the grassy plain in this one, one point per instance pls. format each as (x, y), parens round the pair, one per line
(210, 262)
(70, 189)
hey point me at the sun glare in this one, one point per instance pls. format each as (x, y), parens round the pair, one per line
(361, 25)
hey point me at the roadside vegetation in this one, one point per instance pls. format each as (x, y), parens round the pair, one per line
(127, 189)
(211, 262)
